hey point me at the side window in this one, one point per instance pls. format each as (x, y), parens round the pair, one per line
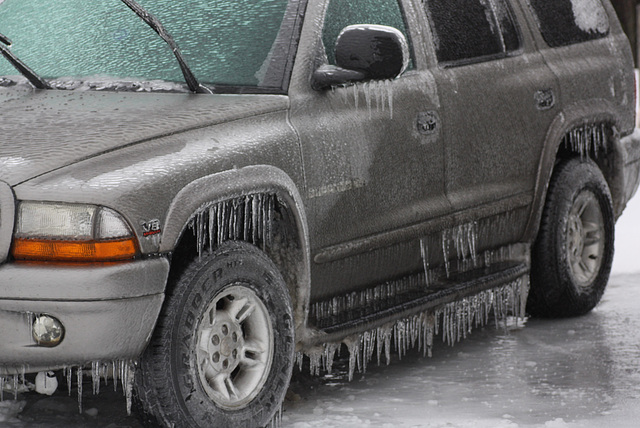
(342, 13)
(470, 30)
(565, 22)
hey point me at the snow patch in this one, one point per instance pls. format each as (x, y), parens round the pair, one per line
(10, 409)
(590, 16)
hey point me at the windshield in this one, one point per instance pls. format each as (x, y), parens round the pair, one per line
(224, 42)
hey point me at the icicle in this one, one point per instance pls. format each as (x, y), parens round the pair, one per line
(211, 230)
(330, 350)
(356, 95)
(424, 253)
(353, 345)
(30, 318)
(367, 96)
(429, 325)
(105, 374)
(69, 374)
(455, 319)
(128, 385)
(445, 252)
(299, 359)
(79, 380)
(276, 421)
(15, 387)
(378, 92)
(368, 340)
(587, 139)
(114, 371)
(95, 377)
(314, 362)
(389, 86)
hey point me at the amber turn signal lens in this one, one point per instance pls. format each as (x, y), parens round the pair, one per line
(74, 251)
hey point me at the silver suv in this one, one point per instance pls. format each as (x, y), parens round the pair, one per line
(196, 194)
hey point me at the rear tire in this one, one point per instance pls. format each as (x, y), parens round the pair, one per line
(223, 350)
(572, 255)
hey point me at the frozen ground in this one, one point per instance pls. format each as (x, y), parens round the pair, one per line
(582, 372)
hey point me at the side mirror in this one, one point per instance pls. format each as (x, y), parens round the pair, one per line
(365, 52)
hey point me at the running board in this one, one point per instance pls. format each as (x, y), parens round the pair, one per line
(344, 316)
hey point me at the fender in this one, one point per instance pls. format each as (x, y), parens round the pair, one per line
(7, 202)
(592, 111)
(235, 183)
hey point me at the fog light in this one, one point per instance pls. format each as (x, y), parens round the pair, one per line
(47, 331)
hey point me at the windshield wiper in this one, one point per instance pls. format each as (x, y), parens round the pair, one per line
(33, 78)
(157, 26)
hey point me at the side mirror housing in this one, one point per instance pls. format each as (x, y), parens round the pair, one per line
(365, 52)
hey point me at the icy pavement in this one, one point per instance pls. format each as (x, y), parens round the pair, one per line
(581, 372)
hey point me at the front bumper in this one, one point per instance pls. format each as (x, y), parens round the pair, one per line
(108, 312)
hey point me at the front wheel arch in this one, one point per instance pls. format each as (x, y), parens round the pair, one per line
(205, 192)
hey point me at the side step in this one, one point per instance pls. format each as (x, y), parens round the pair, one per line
(344, 316)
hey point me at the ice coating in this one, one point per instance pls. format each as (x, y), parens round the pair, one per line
(424, 255)
(247, 218)
(590, 16)
(113, 84)
(587, 139)
(118, 369)
(455, 320)
(276, 421)
(377, 95)
(463, 239)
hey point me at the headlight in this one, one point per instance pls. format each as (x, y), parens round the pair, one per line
(71, 232)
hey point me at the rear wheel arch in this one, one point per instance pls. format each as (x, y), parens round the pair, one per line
(558, 148)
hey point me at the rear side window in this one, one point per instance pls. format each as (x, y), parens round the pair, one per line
(471, 30)
(565, 22)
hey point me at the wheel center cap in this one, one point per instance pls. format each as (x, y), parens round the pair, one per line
(227, 346)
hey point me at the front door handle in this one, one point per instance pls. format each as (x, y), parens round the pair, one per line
(428, 122)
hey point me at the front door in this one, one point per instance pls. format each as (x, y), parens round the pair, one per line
(373, 159)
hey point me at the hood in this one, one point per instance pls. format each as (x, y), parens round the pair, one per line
(43, 130)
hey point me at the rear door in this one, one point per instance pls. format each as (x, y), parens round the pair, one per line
(498, 98)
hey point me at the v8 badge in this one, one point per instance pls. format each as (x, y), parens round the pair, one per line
(151, 227)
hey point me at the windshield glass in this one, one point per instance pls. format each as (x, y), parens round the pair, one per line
(225, 42)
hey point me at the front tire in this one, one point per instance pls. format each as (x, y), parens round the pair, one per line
(222, 353)
(572, 255)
